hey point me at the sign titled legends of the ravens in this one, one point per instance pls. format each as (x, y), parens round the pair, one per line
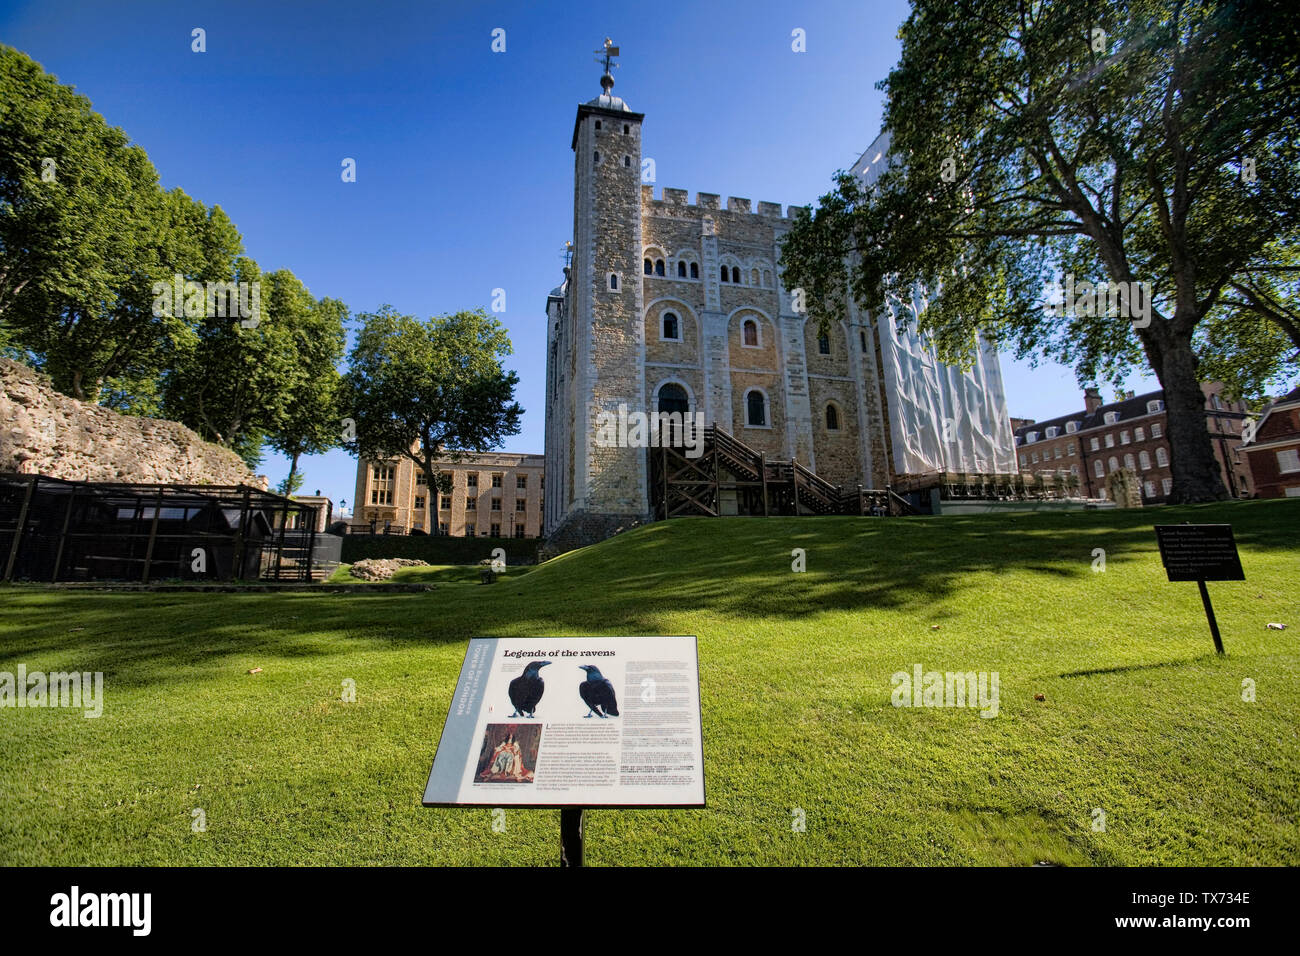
(573, 722)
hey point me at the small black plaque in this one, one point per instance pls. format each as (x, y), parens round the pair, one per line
(1199, 552)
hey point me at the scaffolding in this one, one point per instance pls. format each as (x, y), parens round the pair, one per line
(57, 530)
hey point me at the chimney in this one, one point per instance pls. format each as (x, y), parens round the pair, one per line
(1091, 400)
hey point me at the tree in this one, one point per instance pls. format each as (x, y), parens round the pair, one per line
(312, 422)
(429, 390)
(1151, 141)
(85, 231)
(234, 385)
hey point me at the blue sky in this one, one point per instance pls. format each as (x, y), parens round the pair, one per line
(464, 172)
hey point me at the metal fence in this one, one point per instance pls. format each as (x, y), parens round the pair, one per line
(56, 530)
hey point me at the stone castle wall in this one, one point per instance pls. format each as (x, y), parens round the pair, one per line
(45, 432)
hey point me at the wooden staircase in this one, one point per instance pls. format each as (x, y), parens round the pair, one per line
(729, 468)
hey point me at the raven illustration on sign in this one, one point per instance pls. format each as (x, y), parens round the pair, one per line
(597, 693)
(527, 689)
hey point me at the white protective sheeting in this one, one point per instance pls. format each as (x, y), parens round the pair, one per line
(940, 418)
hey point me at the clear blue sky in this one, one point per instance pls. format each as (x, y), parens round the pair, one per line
(464, 172)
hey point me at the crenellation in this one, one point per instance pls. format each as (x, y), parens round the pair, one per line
(735, 204)
(708, 200)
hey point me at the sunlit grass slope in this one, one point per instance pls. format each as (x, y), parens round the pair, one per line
(1139, 720)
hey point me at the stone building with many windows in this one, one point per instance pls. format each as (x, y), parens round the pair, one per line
(494, 495)
(677, 306)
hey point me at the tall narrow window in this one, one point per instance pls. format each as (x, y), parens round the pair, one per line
(832, 418)
(735, 275)
(726, 276)
(648, 266)
(756, 411)
(751, 333)
(681, 270)
(824, 344)
(613, 282)
(659, 267)
(671, 327)
(695, 270)
(862, 337)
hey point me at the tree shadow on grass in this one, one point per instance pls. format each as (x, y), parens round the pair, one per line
(735, 568)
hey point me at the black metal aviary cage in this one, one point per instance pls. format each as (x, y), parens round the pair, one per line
(56, 530)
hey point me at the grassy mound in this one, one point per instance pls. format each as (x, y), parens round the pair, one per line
(1139, 719)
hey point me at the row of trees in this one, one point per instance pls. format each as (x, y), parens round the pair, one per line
(1119, 141)
(91, 248)
(88, 238)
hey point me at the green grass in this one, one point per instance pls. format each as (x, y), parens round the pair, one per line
(433, 574)
(1140, 718)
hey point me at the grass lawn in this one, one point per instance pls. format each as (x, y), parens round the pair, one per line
(1140, 718)
(433, 574)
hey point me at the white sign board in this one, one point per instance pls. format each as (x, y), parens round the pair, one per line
(573, 722)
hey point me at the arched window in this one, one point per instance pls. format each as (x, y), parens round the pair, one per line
(681, 270)
(1128, 462)
(862, 336)
(659, 267)
(1162, 457)
(627, 160)
(613, 282)
(750, 329)
(726, 276)
(832, 418)
(596, 158)
(753, 277)
(824, 343)
(672, 329)
(755, 409)
(1113, 463)
(1139, 434)
(767, 278)
(1098, 468)
(695, 270)
(735, 275)
(648, 266)
(1144, 460)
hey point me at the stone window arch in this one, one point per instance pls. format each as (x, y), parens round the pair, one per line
(613, 282)
(659, 267)
(695, 270)
(681, 269)
(832, 417)
(726, 274)
(670, 327)
(824, 343)
(735, 275)
(749, 336)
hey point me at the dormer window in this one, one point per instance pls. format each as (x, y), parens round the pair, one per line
(1031, 437)
(1111, 418)
(1071, 427)
(1051, 431)
(1155, 406)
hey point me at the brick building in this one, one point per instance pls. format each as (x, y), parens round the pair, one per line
(1274, 454)
(1130, 433)
(677, 306)
(494, 494)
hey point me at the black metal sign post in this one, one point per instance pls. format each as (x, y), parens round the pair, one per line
(1209, 616)
(571, 846)
(1200, 553)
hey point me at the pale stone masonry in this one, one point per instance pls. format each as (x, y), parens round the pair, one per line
(494, 495)
(675, 305)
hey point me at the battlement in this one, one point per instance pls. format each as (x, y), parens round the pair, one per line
(713, 202)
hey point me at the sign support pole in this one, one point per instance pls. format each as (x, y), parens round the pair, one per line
(1209, 614)
(571, 846)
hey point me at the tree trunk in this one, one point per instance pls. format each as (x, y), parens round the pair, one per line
(1196, 472)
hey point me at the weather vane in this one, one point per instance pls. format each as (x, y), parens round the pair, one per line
(609, 52)
(567, 253)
